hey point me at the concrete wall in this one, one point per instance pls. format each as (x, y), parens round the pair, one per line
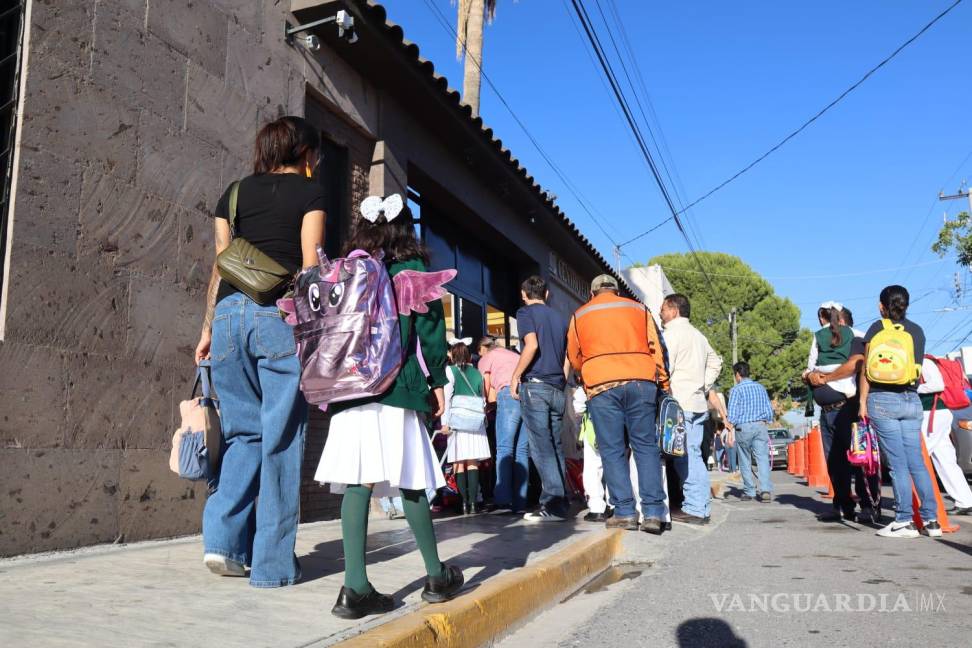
(136, 115)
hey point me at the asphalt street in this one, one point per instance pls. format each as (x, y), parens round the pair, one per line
(772, 575)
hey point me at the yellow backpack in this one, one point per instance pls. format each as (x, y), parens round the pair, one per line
(891, 356)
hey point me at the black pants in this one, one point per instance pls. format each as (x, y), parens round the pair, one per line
(836, 428)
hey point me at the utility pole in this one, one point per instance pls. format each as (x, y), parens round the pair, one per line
(617, 259)
(962, 193)
(732, 326)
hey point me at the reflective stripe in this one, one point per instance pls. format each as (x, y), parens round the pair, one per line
(618, 304)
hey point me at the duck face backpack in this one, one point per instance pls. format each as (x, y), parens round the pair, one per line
(345, 315)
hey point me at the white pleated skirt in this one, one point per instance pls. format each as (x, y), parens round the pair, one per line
(468, 446)
(380, 445)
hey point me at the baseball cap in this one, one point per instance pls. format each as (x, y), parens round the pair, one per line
(604, 281)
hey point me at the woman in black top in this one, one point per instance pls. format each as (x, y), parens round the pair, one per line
(895, 412)
(251, 517)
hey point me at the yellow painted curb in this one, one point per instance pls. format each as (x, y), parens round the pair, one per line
(474, 619)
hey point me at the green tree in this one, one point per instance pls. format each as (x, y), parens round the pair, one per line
(956, 235)
(770, 337)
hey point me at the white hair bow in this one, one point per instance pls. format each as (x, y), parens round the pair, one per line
(832, 304)
(373, 207)
(454, 341)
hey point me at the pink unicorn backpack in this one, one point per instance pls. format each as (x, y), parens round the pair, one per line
(345, 316)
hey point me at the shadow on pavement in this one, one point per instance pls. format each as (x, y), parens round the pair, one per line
(966, 549)
(707, 632)
(508, 546)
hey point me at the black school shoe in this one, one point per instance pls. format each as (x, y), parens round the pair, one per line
(351, 605)
(440, 590)
(596, 517)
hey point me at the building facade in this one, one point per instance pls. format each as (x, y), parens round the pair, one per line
(125, 120)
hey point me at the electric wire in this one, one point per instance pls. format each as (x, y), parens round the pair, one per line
(826, 108)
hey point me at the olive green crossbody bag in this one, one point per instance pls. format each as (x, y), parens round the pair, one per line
(248, 269)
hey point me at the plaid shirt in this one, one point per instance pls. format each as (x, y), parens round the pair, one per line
(749, 403)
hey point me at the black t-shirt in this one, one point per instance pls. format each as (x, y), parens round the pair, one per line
(270, 209)
(917, 336)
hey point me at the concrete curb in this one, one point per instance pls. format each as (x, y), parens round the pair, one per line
(494, 607)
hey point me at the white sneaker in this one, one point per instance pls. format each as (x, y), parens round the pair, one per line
(223, 566)
(899, 530)
(932, 529)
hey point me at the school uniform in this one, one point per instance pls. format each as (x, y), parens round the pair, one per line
(465, 445)
(383, 440)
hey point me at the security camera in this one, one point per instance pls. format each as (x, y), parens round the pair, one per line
(311, 42)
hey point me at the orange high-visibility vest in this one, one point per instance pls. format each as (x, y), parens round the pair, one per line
(613, 338)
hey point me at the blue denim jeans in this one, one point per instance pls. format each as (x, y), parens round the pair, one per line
(733, 457)
(252, 515)
(512, 453)
(752, 439)
(389, 504)
(632, 407)
(897, 418)
(542, 407)
(696, 490)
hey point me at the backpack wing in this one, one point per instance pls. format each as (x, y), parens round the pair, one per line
(415, 290)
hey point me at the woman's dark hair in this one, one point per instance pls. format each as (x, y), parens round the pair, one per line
(488, 341)
(895, 300)
(461, 357)
(284, 142)
(832, 317)
(847, 315)
(396, 239)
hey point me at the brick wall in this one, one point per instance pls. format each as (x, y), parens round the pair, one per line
(136, 115)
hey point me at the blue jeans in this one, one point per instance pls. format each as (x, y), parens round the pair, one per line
(733, 457)
(389, 504)
(542, 407)
(692, 470)
(753, 439)
(630, 407)
(252, 515)
(512, 453)
(897, 418)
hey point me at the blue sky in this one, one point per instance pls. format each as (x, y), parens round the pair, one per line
(853, 194)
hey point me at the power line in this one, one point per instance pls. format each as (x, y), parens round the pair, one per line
(826, 108)
(828, 276)
(626, 109)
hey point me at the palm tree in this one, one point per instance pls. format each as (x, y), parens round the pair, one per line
(470, 19)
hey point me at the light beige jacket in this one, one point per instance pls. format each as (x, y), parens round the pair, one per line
(692, 363)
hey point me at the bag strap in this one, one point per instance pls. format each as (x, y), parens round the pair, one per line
(234, 197)
(464, 379)
(203, 380)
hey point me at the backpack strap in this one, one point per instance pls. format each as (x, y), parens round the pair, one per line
(462, 375)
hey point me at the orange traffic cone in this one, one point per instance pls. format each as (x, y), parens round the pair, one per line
(790, 458)
(947, 526)
(817, 474)
(799, 457)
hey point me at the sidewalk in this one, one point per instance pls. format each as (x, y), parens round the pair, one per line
(159, 593)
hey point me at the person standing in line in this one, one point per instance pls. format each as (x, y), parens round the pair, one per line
(379, 446)
(615, 346)
(538, 382)
(466, 447)
(831, 348)
(750, 412)
(937, 441)
(497, 365)
(895, 411)
(251, 517)
(693, 368)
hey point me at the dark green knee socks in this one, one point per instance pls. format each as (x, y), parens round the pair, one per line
(462, 485)
(419, 518)
(354, 531)
(472, 483)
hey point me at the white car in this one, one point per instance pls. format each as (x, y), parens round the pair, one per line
(962, 438)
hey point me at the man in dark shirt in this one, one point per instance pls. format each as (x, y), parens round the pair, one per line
(538, 382)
